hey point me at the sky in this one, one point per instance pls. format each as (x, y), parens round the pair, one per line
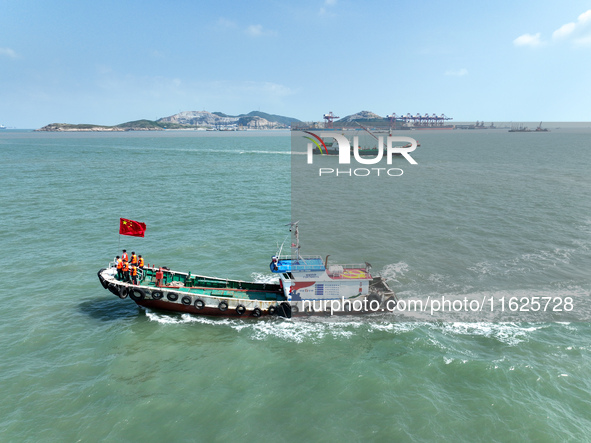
(110, 62)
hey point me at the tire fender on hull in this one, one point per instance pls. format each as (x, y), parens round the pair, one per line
(373, 298)
(391, 302)
(136, 294)
(284, 310)
(119, 291)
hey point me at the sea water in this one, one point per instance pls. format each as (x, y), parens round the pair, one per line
(484, 212)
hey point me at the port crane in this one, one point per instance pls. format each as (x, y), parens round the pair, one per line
(330, 117)
(420, 120)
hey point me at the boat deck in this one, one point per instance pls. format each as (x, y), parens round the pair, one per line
(207, 286)
(243, 294)
(350, 273)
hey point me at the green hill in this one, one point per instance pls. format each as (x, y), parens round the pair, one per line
(287, 121)
(150, 125)
(141, 125)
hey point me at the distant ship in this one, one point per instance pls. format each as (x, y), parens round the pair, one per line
(2, 127)
(519, 128)
(540, 129)
(522, 128)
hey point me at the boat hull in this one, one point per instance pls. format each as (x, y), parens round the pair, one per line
(235, 298)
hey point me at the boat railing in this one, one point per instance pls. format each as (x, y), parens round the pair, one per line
(302, 257)
(303, 263)
(307, 267)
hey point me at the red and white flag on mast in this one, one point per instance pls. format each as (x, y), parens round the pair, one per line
(131, 227)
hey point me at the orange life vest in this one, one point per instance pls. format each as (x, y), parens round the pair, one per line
(119, 263)
(133, 271)
(141, 262)
(125, 266)
(134, 259)
(124, 256)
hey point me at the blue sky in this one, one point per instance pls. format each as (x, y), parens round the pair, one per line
(109, 62)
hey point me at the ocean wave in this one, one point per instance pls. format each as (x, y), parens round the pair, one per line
(293, 330)
(313, 329)
(527, 263)
(394, 270)
(509, 333)
(262, 152)
(259, 277)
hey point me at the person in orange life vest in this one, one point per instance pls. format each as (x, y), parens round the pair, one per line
(119, 268)
(140, 262)
(133, 260)
(125, 271)
(134, 274)
(124, 256)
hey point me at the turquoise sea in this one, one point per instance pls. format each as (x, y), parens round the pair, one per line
(484, 213)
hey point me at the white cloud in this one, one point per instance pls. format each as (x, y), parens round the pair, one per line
(585, 16)
(564, 30)
(8, 52)
(329, 4)
(532, 40)
(258, 31)
(457, 72)
(224, 23)
(579, 31)
(255, 30)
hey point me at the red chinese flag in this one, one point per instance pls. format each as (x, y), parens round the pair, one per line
(131, 227)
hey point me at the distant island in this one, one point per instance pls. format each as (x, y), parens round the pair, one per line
(196, 120)
(218, 121)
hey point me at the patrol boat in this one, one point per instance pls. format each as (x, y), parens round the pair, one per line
(307, 285)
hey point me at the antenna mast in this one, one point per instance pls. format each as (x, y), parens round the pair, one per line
(295, 247)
